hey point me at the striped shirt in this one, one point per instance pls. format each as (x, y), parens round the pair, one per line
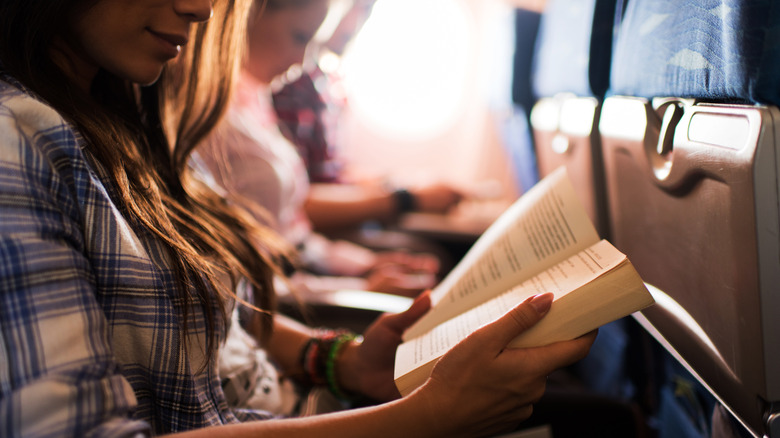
(90, 343)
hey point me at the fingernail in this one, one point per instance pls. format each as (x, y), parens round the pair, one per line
(542, 302)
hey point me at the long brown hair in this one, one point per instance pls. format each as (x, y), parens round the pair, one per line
(152, 132)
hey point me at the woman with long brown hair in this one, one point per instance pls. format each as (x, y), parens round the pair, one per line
(118, 266)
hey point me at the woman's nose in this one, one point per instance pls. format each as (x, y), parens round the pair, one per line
(197, 10)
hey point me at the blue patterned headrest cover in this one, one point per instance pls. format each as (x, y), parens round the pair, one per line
(718, 50)
(574, 47)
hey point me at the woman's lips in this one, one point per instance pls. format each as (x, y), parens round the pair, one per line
(171, 43)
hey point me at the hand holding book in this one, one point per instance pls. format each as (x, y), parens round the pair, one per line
(543, 243)
(482, 388)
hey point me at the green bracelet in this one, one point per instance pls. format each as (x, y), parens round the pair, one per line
(330, 365)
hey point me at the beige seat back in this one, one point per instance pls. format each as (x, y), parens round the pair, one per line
(693, 201)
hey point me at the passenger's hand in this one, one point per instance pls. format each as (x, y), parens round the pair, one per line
(392, 279)
(402, 273)
(367, 368)
(481, 387)
(421, 263)
(436, 198)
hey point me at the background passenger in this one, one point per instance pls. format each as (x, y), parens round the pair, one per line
(309, 109)
(252, 159)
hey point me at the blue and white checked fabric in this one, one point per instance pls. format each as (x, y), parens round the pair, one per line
(90, 322)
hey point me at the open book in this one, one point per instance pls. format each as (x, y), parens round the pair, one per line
(544, 242)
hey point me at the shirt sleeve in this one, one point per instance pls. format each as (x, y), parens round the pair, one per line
(57, 372)
(244, 168)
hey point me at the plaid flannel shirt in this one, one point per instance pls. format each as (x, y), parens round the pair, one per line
(90, 323)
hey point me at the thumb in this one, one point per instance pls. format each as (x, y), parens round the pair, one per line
(498, 334)
(401, 321)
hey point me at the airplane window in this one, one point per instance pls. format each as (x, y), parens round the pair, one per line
(407, 71)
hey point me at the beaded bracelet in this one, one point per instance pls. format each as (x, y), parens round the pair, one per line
(330, 364)
(319, 354)
(308, 361)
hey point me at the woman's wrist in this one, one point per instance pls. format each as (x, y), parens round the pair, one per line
(324, 358)
(342, 352)
(348, 367)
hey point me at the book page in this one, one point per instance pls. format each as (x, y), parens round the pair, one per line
(560, 279)
(543, 227)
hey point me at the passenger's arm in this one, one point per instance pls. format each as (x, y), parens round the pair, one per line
(58, 376)
(479, 388)
(332, 206)
(343, 205)
(287, 342)
(362, 367)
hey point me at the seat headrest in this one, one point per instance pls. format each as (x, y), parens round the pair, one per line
(718, 50)
(574, 47)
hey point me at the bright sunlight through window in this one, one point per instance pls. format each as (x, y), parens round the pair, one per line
(407, 70)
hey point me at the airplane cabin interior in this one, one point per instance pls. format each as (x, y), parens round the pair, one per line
(665, 114)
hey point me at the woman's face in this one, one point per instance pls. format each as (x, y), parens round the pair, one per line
(132, 39)
(278, 38)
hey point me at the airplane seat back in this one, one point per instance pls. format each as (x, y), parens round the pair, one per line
(570, 77)
(690, 130)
